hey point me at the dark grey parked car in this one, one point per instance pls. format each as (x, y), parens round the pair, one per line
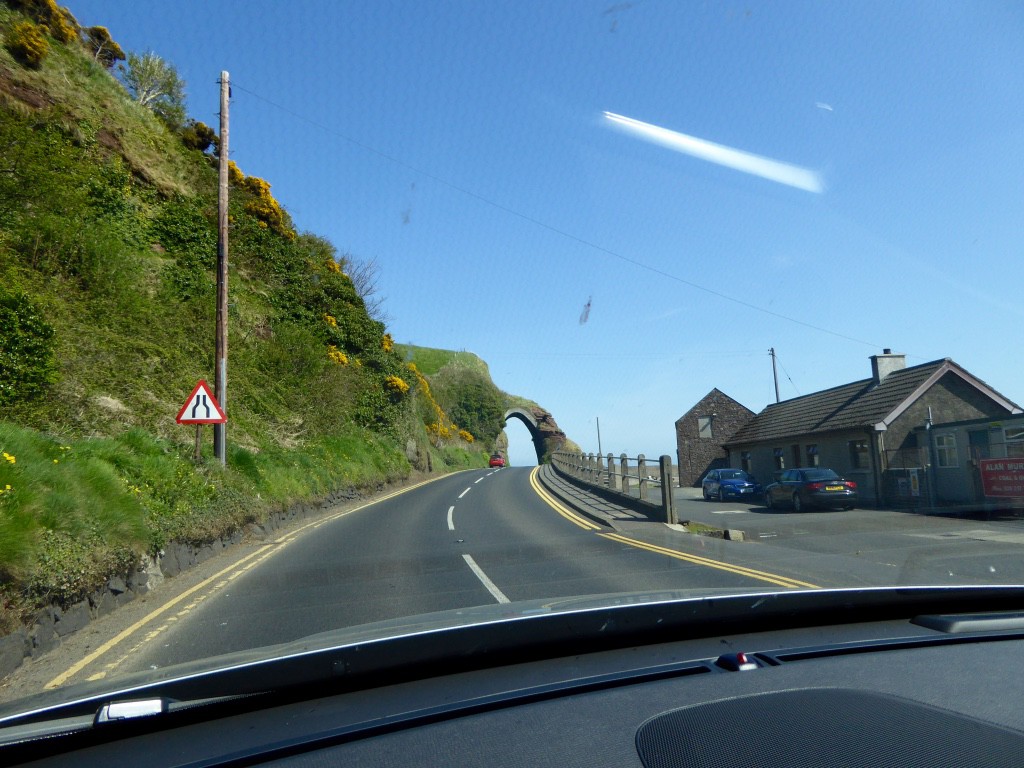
(812, 487)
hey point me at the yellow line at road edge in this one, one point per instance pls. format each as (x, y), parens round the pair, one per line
(771, 578)
(77, 667)
(564, 511)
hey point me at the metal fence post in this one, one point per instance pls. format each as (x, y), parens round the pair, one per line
(667, 502)
(641, 471)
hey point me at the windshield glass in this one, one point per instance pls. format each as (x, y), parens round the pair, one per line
(820, 474)
(734, 474)
(315, 315)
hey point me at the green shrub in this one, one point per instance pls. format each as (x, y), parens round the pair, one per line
(472, 400)
(111, 198)
(102, 46)
(265, 209)
(187, 231)
(27, 44)
(198, 136)
(26, 349)
(91, 253)
(293, 354)
(58, 21)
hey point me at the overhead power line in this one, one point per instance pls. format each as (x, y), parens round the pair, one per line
(551, 228)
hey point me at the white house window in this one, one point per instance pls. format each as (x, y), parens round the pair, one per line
(745, 461)
(945, 451)
(704, 427)
(1014, 437)
(780, 459)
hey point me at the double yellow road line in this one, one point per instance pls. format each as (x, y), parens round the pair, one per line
(560, 508)
(588, 525)
(771, 578)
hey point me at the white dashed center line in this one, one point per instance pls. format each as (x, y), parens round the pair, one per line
(464, 492)
(491, 587)
(451, 520)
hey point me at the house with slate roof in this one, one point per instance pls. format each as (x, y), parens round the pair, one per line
(856, 428)
(702, 432)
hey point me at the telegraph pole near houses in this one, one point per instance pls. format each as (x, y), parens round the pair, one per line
(775, 373)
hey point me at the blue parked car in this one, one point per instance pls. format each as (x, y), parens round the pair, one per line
(721, 484)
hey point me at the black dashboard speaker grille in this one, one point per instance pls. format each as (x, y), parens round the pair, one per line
(824, 727)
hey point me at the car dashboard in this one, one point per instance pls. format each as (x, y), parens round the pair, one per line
(923, 689)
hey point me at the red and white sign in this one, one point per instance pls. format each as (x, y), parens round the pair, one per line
(1002, 477)
(201, 407)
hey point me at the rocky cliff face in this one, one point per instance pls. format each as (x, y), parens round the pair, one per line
(551, 437)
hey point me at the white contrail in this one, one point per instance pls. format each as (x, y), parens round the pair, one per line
(766, 168)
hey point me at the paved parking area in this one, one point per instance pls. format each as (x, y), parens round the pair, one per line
(760, 522)
(845, 548)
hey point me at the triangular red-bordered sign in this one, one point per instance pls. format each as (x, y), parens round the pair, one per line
(201, 407)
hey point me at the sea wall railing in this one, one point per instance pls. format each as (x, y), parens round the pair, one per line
(636, 478)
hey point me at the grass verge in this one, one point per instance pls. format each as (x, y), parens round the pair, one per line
(73, 513)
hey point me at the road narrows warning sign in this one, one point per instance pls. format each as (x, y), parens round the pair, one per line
(201, 407)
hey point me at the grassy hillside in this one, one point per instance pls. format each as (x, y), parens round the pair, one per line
(107, 256)
(430, 361)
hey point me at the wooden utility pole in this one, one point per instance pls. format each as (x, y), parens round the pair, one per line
(220, 431)
(774, 371)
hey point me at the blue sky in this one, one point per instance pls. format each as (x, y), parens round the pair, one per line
(463, 146)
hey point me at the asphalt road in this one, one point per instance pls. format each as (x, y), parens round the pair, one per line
(863, 547)
(478, 537)
(485, 537)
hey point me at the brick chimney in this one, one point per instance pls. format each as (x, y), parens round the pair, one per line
(884, 364)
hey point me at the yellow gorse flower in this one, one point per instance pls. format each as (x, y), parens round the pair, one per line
(443, 427)
(396, 384)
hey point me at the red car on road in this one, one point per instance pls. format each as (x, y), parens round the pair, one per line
(497, 460)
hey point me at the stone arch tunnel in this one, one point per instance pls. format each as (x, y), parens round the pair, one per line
(546, 435)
